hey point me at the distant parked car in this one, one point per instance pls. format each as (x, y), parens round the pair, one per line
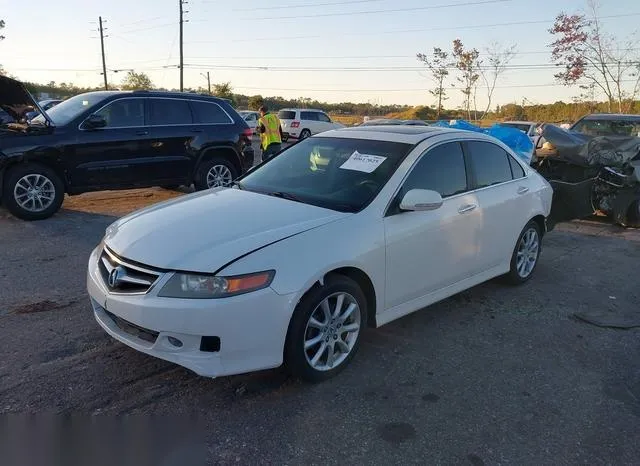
(44, 105)
(528, 127)
(251, 118)
(116, 140)
(300, 123)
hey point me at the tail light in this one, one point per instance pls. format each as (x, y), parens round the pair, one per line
(248, 132)
(295, 124)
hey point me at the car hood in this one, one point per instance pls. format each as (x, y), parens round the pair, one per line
(206, 231)
(15, 98)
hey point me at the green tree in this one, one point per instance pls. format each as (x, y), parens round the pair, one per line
(136, 81)
(255, 102)
(469, 66)
(223, 90)
(439, 64)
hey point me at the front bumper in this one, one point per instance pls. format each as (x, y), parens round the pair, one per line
(251, 328)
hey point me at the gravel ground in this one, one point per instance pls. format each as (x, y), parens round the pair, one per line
(495, 375)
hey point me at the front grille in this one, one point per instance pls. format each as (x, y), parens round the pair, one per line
(123, 277)
(133, 329)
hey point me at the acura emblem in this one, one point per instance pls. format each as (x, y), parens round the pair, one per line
(114, 276)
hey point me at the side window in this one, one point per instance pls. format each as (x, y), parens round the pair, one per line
(123, 113)
(211, 113)
(169, 112)
(490, 163)
(516, 170)
(311, 116)
(324, 117)
(441, 169)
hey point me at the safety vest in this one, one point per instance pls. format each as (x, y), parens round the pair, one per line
(271, 134)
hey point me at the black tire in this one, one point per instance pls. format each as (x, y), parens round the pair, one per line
(15, 174)
(204, 168)
(633, 215)
(305, 134)
(285, 138)
(516, 275)
(295, 357)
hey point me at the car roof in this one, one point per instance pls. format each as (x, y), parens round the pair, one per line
(397, 133)
(517, 122)
(171, 94)
(611, 116)
(301, 110)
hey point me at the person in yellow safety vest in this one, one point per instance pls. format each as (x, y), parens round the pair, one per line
(270, 133)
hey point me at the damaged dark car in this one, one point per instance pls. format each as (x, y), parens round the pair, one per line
(592, 173)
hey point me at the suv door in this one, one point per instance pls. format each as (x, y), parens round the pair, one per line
(174, 134)
(110, 156)
(309, 120)
(503, 192)
(324, 122)
(428, 251)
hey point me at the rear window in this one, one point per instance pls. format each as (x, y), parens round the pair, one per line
(490, 163)
(286, 115)
(170, 112)
(209, 113)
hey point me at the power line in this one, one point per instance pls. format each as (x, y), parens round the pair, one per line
(406, 31)
(158, 26)
(371, 12)
(303, 5)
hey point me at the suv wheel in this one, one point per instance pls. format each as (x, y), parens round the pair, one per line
(215, 173)
(32, 192)
(305, 134)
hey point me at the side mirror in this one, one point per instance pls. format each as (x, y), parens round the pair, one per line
(420, 200)
(94, 122)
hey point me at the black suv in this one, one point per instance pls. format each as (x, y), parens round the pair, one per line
(115, 140)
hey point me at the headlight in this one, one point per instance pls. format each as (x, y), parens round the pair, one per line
(548, 146)
(200, 286)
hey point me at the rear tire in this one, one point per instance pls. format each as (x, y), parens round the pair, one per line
(326, 329)
(524, 259)
(305, 134)
(215, 173)
(633, 215)
(32, 191)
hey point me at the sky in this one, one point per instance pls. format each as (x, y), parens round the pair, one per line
(293, 48)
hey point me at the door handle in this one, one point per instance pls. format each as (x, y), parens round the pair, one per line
(142, 132)
(523, 190)
(466, 208)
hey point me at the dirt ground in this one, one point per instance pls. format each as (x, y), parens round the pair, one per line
(494, 375)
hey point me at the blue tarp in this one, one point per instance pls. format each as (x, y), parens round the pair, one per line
(515, 139)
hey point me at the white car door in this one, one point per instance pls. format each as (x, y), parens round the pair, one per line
(427, 251)
(325, 123)
(504, 200)
(309, 120)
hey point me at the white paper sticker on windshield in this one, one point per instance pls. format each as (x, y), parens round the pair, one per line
(363, 162)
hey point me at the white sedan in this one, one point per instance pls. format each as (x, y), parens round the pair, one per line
(346, 230)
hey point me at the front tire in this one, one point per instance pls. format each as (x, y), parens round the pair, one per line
(526, 254)
(215, 173)
(32, 191)
(325, 330)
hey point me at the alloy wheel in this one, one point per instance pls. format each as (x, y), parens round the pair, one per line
(332, 331)
(34, 192)
(219, 176)
(527, 255)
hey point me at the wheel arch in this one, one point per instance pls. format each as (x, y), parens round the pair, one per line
(24, 160)
(211, 152)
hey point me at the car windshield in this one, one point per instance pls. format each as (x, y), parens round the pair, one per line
(605, 127)
(335, 173)
(69, 109)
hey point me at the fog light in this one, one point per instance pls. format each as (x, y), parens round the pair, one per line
(175, 342)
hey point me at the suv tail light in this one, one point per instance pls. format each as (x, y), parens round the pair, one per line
(295, 124)
(248, 132)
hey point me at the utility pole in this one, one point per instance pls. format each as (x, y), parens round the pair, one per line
(180, 3)
(104, 63)
(208, 80)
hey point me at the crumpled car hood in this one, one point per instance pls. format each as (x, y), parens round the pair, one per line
(206, 231)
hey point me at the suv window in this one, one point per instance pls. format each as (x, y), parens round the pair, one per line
(324, 117)
(312, 116)
(123, 113)
(606, 127)
(211, 113)
(286, 115)
(490, 163)
(441, 169)
(169, 112)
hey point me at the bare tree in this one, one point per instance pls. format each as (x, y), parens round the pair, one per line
(594, 59)
(498, 57)
(439, 65)
(468, 64)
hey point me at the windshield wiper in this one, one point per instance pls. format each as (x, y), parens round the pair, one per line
(285, 195)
